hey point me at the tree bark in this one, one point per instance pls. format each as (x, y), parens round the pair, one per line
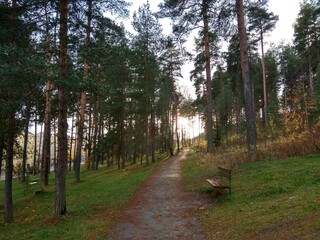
(209, 120)
(11, 124)
(121, 148)
(35, 169)
(176, 122)
(285, 89)
(1, 151)
(153, 136)
(249, 107)
(47, 116)
(153, 123)
(101, 153)
(39, 149)
(265, 96)
(45, 166)
(171, 132)
(89, 133)
(83, 101)
(25, 144)
(171, 118)
(8, 203)
(55, 143)
(311, 84)
(310, 75)
(71, 143)
(147, 101)
(60, 200)
(94, 159)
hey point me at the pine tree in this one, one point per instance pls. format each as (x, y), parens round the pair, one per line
(19, 68)
(171, 60)
(60, 199)
(147, 43)
(260, 22)
(190, 15)
(94, 19)
(249, 108)
(307, 38)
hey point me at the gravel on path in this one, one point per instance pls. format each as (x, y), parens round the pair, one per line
(161, 209)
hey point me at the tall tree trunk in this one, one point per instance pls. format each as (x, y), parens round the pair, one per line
(153, 124)
(75, 144)
(285, 90)
(71, 143)
(265, 96)
(171, 120)
(80, 133)
(310, 74)
(11, 125)
(25, 144)
(199, 137)
(8, 203)
(172, 132)
(55, 143)
(39, 149)
(83, 101)
(47, 116)
(101, 152)
(46, 145)
(176, 124)
(89, 132)
(1, 151)
(60, 200)
(94, 159)
(147, 108)
(248, 95)
(35, 168)
(121, 149)
(209, 120)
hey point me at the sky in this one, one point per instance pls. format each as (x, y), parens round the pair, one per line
(287, 10)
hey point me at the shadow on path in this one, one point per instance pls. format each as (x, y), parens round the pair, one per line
(160, 209)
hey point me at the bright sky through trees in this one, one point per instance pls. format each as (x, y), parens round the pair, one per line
(287, 10)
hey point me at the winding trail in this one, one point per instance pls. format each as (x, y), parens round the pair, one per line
(161, 209)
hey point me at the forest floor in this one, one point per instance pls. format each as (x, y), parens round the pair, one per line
(161, 209)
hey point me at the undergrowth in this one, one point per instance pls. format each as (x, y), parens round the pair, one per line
(286, 146)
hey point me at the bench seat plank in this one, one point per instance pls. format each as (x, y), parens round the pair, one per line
(217, 183)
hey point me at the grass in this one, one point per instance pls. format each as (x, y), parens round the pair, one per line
(276, 199)
(270, 200)
(92, 205)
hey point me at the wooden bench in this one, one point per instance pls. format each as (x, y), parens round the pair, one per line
(33, 182)
(219, 183)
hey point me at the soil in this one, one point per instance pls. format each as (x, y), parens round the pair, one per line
(161, 209)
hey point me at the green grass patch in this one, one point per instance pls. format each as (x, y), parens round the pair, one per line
(92, 205)
(270, 200)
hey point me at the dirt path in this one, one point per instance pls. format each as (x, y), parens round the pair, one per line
(161, 209)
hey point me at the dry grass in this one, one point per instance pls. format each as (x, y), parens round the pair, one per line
(276, 196)
(290, 145)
